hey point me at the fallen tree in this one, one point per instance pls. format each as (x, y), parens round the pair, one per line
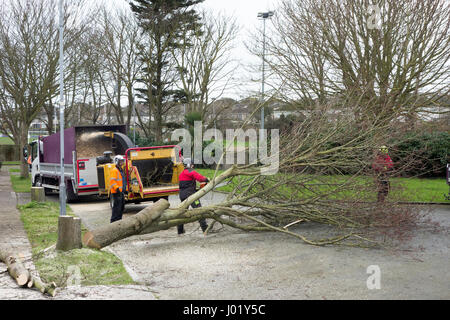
(121, 229)
(324, 177)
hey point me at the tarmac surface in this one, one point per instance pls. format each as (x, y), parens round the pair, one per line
(231, 264)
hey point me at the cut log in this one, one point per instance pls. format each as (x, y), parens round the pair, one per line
(124, 228)
(49, 289)
(22, 276)
(15, 268)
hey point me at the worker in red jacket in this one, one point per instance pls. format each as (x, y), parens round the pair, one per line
(382, 165)
(187, 184)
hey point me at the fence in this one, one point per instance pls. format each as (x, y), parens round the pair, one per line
(9, 153)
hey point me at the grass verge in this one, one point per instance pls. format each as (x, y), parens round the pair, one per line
(91, 267)
(402, 189)
(20, 184)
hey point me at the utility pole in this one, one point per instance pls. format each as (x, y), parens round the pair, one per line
(62, 182)
(264, 16)
(69, 228)
(134, 116)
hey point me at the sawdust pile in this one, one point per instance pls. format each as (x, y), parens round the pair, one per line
(92, 144)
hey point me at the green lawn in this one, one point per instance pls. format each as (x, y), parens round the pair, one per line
(95, 267)
(6, 140)
(402, 189)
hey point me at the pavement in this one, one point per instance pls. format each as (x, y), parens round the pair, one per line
(231, 264)
(13, 236)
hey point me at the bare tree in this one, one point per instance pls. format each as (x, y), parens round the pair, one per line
(321, 192)
(28, 64)
(205, 65)
(117, 44)
(394, 56)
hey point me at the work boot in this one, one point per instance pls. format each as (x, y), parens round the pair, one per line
(180, 229)
(204, 226)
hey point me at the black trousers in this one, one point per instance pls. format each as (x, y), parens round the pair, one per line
(118, 206)
(202, 221)
(383, 189)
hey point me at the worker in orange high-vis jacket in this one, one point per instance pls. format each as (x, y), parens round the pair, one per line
(116, 182)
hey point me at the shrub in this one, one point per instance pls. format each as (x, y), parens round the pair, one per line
(429, 152)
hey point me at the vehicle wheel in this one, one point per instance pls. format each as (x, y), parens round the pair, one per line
(70, 195)
(37, 182)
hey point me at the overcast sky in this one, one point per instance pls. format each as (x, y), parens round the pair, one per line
(245, 12)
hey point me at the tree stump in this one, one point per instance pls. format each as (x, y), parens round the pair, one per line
(69, 233)
(37, 194)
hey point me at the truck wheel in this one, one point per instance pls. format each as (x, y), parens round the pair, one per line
(38, 183)
(70, 195)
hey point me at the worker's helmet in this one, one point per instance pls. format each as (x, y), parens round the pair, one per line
(118, 159)
(187, 162)
(383, 149)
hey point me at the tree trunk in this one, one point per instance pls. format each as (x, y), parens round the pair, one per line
(23, 162)
(153, 218)
(121, 229)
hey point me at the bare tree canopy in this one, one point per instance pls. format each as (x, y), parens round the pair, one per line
(393, 55)
(28, 62)
(205, 65)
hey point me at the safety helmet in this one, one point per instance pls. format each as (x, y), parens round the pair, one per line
(384, 149)
(187, 162)
(118, 159)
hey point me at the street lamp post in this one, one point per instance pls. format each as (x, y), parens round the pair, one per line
(134, 116)
(62, 182)
(263, 16)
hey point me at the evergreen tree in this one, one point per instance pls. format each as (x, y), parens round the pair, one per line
(165, 23)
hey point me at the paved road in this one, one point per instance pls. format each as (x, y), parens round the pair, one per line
(230, 264)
